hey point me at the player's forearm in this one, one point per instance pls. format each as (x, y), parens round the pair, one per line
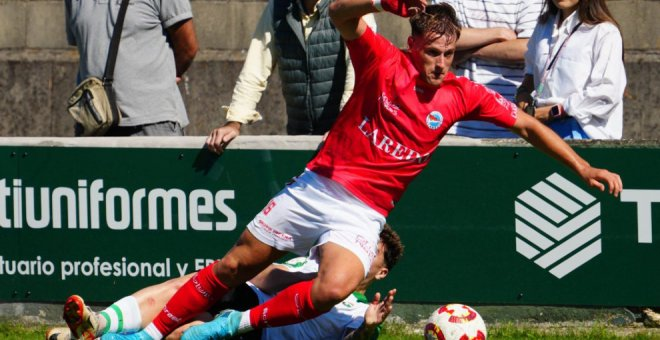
(277, 277)
(505, 51)
(346, 16)
(544, 139)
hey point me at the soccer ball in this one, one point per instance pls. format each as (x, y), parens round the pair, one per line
(455, 322)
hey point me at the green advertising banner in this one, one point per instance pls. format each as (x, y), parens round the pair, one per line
(483, 224)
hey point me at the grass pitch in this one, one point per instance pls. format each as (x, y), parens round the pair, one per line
(13, 330)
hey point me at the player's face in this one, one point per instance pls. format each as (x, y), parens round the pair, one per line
(378, 267)
(432, 57)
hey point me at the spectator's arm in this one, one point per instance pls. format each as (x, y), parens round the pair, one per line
(473, 38)
(607, 80)
(250, 85)
(524, 92)
(505, 51)
(70, 38)
(184, 44)
(258, 66)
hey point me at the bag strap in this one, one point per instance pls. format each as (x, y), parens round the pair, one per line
(108, 74)
(114, 43)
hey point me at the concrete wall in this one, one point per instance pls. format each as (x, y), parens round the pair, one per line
(37, 68)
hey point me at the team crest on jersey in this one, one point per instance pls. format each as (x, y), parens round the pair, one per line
(434, 120)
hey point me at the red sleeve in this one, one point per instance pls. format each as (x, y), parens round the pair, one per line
(488, 105)
(369, 51)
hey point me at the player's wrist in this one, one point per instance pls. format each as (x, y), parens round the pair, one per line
(397, 7)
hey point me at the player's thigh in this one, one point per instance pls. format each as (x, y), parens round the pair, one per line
(340, 272)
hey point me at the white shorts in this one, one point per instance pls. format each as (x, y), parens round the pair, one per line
(314, 210)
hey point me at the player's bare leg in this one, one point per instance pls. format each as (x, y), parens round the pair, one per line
(244, 260)
(339, 274)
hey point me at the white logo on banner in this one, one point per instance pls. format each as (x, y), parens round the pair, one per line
(557, 225)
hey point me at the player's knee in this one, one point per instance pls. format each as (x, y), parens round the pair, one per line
(227, 266)
(326, 296)
(230, 271)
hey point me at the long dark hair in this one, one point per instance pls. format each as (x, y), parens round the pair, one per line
(590, 12)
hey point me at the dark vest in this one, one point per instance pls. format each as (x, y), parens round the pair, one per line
(313, 72)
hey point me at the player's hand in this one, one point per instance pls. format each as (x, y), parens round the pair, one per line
(404, 8)
(600, 178)
(220, 137)
(378, 310)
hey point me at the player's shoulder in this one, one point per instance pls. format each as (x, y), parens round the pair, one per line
(459, 82)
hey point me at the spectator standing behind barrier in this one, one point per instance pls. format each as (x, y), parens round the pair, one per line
(491, 51)
(575, 77)
(298, 37)
(157, 46)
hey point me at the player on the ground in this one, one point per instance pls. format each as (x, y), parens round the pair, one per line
(354, 318)
(403, 104)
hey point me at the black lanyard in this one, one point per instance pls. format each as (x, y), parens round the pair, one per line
(552, 62)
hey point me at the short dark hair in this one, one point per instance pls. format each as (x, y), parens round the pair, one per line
(393, 246)
(438, 20)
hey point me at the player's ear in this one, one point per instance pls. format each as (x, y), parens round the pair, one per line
(382, 272)
(411, 42)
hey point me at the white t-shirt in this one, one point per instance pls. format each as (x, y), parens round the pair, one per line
(145, 71)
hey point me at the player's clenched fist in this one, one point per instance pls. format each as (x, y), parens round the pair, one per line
(404, 8)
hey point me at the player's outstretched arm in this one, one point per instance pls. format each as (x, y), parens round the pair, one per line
(543, 138)
(347, 14)
(375, 315)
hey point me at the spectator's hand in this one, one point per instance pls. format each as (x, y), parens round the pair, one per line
(523, 99)
(597, 178)
(378, 310)
(506, 34)
(222, 136)
(543, 114)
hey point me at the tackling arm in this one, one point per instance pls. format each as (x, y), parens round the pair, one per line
(277, 277)
(374, 316)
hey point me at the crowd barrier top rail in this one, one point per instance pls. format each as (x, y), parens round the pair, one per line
(275, 142)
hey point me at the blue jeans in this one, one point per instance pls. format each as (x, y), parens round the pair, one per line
(568, 128)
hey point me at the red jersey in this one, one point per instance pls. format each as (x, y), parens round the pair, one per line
(392, 123)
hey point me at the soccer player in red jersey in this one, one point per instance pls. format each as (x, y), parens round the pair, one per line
(403, 104)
